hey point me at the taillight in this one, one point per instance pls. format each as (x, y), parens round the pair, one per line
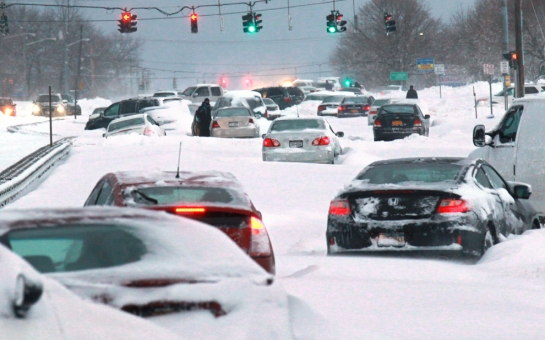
(417, 122)
(450, 205)
(215, 125)
(377, 123)
(271, 143)
(342, 108)
(366, 107)
(251, 121)
(339, 208)
(260, 245)
(266, 114)
(190, 210)
(321, 141)
(287, 99)
(321, 108)
(148, 132)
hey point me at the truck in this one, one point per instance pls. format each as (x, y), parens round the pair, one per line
(197, 93)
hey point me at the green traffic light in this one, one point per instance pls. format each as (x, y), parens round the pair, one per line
(251, 29)
(331, 29)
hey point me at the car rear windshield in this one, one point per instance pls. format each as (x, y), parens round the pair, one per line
(297, 124)
(319, 97)
(253, 102)
(178, 195)
(45, 98)
(410, 172)
(189, 91)
(295, 91)
(356, 100)
(124, 124)
(380, 102)
(397, 109)
(233, 112)
(334, 99)
(268, 101)
(76, 247)
(5, 102)
(164, 94)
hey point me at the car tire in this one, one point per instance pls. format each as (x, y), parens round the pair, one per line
(377, 139)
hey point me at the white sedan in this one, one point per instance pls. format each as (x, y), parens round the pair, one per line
(298, 139)
(141, 124)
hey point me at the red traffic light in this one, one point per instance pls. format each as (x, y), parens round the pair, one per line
(514, 56)
(193, 17)
(339, 17)
(126, 16)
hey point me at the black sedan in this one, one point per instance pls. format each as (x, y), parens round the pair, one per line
(396, 121)
(356, 106)
(443, 204)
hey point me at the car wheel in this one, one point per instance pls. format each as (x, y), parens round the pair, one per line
(536, 225)
(377, 139)
(490, 238)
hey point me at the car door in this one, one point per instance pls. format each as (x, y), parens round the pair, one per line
(201, 93)
(511, 216)
(503, 154)
(215, 93)
(154, 126)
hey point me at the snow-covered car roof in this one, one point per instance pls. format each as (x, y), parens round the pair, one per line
(242, 94)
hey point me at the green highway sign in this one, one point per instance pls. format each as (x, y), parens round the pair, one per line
(399, 76)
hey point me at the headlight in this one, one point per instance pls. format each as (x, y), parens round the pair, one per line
(36, 109)
(60, 109)
(8, 111)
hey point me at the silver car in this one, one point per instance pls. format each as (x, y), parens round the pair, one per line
(234, 122)
(141, 124)
(299, 139)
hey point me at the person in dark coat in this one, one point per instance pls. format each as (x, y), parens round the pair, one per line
(204, 118)
(412, 93)
(328, 85)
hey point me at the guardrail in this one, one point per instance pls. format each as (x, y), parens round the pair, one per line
(15, 179)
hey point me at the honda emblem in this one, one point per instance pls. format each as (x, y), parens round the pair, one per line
(393, 201)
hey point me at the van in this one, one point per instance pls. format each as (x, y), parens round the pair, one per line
(197, 93)
(499, 98)
(515, 147)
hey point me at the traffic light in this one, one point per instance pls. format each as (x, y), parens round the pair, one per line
(511, 57)
(194, 23)
(340, 23)
(257, 22)
(347, 82)
(124, 22)
(389, 23)
(4, 28)
(331, 23)
(248, 23)
(223, 82)
(132, 24)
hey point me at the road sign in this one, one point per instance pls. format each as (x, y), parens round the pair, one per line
(425, 65)
(504, 66)
(488, 69)
(399, 76)
(440, 69)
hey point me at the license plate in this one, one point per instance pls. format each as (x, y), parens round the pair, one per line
(233, 124)
(397, 123)
(391, 240)
(296, 143)
(354, 111)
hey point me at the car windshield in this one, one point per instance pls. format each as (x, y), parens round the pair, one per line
(189, 91)
(397, 109)
(334, 99)
(318, 97)
(5, 102)
(45, 98)
(99, 110)
(297, 124)
(294, 91)
(163, 94)
(174, 195)
(67, 97)
(424, 172)
(356, 100)
(299, 83)
(233, 112)
(268, 101)
(253, 102)
(76, 247)
(129, 123)
(380, 102)
(351, 89)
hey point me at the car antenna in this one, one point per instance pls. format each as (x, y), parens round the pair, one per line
(179, 154)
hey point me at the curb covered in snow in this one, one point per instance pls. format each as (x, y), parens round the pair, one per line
(20, 175)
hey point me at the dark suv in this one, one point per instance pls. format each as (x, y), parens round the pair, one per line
(7, 107)
(283, 96)
(120, 109)
(71, 107)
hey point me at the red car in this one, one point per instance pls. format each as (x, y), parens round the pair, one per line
(7, 107)
(212, 197)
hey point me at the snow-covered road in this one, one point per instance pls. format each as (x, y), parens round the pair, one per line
(350, 297)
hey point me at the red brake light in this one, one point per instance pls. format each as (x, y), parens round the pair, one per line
(417, 122)
(377, 123)
(148, 132)
(366, 107)
(339, 208)
(261, 245)
(321, 141)
(251, 121)
(266, 113)
(450, 205)
(192, 210)
(342, 108)
(287, 100)
(271, 143)
(321, 108)
(215, 125)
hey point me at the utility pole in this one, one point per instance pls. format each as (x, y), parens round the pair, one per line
(76, 88)
(519, 90)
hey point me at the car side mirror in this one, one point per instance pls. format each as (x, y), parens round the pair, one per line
(520, 190)
(479, 136)
(263, 135)
(160, 122)
(339, 134)
(427, 116)
(27, 293)
(194, 94)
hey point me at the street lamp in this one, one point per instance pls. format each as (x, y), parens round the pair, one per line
(66, 85)
(37, 41)
(18, 35)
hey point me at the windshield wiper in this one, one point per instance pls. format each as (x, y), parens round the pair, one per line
(145, 197)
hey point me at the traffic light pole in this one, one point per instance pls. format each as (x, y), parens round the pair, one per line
(519, 89)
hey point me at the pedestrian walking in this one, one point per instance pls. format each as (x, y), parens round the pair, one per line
(328, 85)
(411, 94)
(204, 117)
